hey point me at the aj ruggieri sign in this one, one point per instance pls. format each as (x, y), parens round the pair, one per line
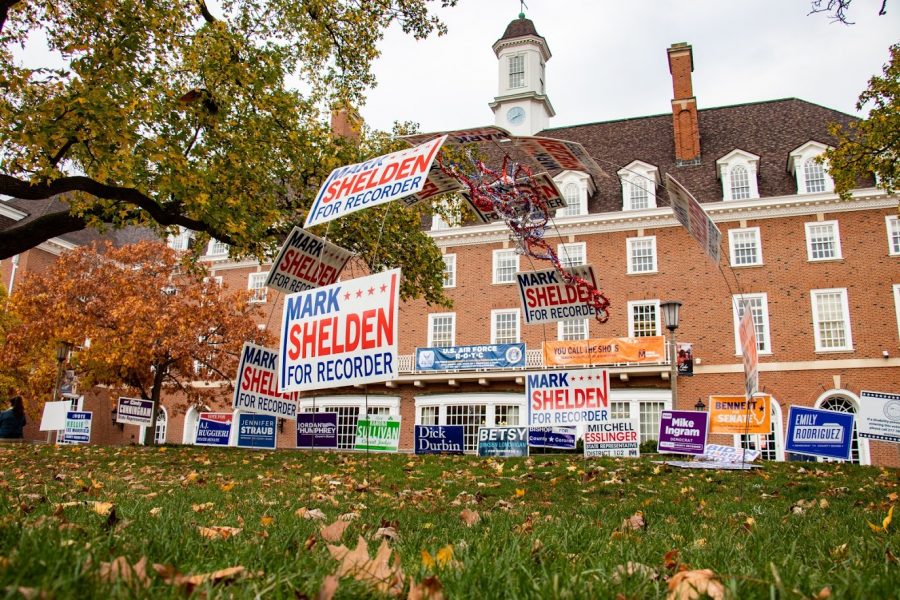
(214, 429)
(256, 431)
(457, 358)
(134, 411)
(816, 432)
(562, 437)
(339, 335)
(879, 416)
(305, 262)
(257, 384)
(567, 397)
(439, 439)
(317, 430)
(617, 437)
(682, 431)
(78, 427)
(546, 297)
(502, 442)
(378, 434)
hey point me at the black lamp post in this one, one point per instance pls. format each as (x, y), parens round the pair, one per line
(670, 310)
(700, 406)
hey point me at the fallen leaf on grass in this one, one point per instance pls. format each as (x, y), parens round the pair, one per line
(154, 512)
(201, 507)
(824, 593)
(266, 520)
(469, 517)
(121, 570)
(313, 514)
(519, 493)
(171, 576)
(429, 588)
(670, 559)
(335, 531)
(350, 516)
(630, 569)
(104, 509)
(218, 532)
(329, 588)
(377, 572)
(388, 533)
(692, 585)
(442, 558)
(889, 556)
(634, 523)
(884, 523)
(28, 593)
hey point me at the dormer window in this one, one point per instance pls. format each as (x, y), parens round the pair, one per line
(575, 187)
(737, 172)
(812, 176)
(517, 71)
(639, 181)
(182, 241)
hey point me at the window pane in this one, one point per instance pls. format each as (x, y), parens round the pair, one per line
(442, 330)
(471, 417)
(573, 200)
(516, 71)
(506, 327)
(571, 255)
(830, 316)
(814, 173)
(449, 273)
(506, 414)
(619, 410)
(740, 183)
(257, 286)
(576, 329)
(895, 235)
(745, 247)
(430, 415)
(347, 417)
(822, 241)
(650, 413)
(759, 314)
(506, 263)
(643, 319)
(642, 255)
(638, 194)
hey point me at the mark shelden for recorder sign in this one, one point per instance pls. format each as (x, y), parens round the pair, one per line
(256, 390)
(342, 334)
(568, 397)
(546, 297)
(306, 262)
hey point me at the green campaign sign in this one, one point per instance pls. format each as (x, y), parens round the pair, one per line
(378, 434)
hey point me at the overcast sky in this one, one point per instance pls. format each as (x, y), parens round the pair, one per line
(609, 58)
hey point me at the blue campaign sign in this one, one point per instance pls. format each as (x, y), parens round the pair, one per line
(561, 437)
(78, 427)
(461, 358)
(439, 439)
(256, 431)
(214, 429)
(317, 430)
(819, 432)
(502, 442)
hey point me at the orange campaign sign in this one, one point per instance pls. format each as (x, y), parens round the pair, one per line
(730, 414)
(606, 351)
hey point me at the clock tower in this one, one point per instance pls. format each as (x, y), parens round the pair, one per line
(521, 105)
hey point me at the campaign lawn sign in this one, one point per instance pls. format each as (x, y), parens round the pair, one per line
(562, 437)
(502, 442)
(373, 182)
(682, 432)
(461, 358)
(54, 415)
(214, 429)
(134, 411)
(729, 454)
(617, 437)
(257, 384)
(567, 397)
(610, 351)
(749, 350)
(547, 298)
(439, 439)
(317, 430)
(734, 415)
(378, 433)
(816, 432)
(305, 262)
(256, 431)
(879, 416)
(78, 427)
(340, 335)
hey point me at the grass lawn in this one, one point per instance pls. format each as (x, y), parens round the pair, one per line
(543, 527)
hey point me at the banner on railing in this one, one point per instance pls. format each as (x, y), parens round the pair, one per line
(606, 351)
(462, 358)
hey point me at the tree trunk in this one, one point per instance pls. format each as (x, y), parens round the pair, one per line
(155, 392)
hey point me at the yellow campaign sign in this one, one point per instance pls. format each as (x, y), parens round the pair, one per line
(730, 414)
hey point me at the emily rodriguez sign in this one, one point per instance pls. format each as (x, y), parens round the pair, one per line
(459, 358)
(306, 262)
(257, 384)
(818, 432)
(342, 334)
(317, 430)
(567, 397)
(134, 411)
(439, 439)
(214, 429)
(547, 298)
(682, 432)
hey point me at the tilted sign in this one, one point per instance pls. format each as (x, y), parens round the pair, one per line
(439, 439)
(373, 182)
(257, 384)
(559, 155)
(734, 415)
(256, 431)
(214, 429)
(879, 416)
(542, 184)
(305, 262)
(317, 430)
(461, 358)
(567, 397)
(682, 431)
(378, 433)
(617, 437)
(78, 427)
(747, 334)
(502, 442)
(692, 216)
(339, 335)
(561, 437)
(605, 351)
(134, 411)
(818, 432)
(547, 298)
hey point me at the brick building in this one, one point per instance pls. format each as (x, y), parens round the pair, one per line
(822, 275)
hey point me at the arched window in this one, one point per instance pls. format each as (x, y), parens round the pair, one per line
(845, 405)
(162, 418)
(574, 202)
(814, 175)
(191, 420)
(740, 183)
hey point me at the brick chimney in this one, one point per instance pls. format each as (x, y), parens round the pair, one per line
(345, 123)
(684, 105)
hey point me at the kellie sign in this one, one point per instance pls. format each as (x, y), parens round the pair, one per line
(317, 430)
(214, 429)
(546, 297)
(256, 431)
(306, 262)
(734, 415)
(342, 334)
(567, 397)
(682, 431)
(439, 439)
(78, 427)
(503, 442)
(458, 358)
(256, 388)
(134, 411)
(618, 437)
(818, 432)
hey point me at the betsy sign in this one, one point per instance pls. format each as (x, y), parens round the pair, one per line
(306, 262)
(373, 182)
(342, 334)
(568, 397)
(547, 298)
(257, 390)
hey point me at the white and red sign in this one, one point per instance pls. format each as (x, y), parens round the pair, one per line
(747, 332)
(374, 182)
(567, 397)
(618, 437)
(305, 262)
(546, 297)
(693, 218)
(543, 185)
(257, 384)
(342, 334)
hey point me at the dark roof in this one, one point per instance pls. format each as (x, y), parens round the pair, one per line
(520, 27)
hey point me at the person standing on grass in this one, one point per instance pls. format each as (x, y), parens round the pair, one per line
(12, 420)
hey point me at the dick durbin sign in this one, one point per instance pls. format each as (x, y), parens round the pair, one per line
(461, 358)
(214, 429)
(256, 431)
(561, 437)
(879, 416)
(818, 432)
(378, 434)
(78, 427)
(547, 298)
(439, 439)
(339, 335)
(317, 430)
(683, 431)
(617, 437)
(568, 397)
(305, 262)
(257, 384)
(503, 442)
(134, 411)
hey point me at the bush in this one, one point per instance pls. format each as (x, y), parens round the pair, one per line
(648, 447)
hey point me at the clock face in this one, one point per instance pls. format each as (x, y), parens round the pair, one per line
(515, 115)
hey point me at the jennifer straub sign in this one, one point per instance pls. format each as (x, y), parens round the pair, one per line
(134, 411)
(373, 182)
(342, 334)
(617, 437)
(561, 437)
(256, 431)
(78, 427)
(818, 432)
(879, 416)
(317, 430)
(257, 384)
(734, 415)
(378, 434)
(682, 431)
(461, 358)
(305, 262)
(546, 297)
(214, 429)
(567, 397)
(502, 442)
(439, 439)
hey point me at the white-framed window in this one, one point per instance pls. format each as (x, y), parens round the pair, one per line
(737, 171)
(449, 273)
(740, 183)
(846, 402)
(897, 305)
(641, 254)
(572, 255)
(643, 404)
(441, 330)
(812, 176)
(437, 221)
(573, 201)
(216, 279)
(619, 410)
(256, 283)
(643, 318)
(517, 71)
(639, 182)
(575, 329)
(350, 409)
(162, 420)
(506, 265)
(649, 414)
(823, 240)
(429, 415)
(471, 411)
(759, 312)
(770, 445)
(216, 248)
(181, 241)
(893, 233)
(831, 319)
(745, 245)
(575, 187)
(505, 326)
